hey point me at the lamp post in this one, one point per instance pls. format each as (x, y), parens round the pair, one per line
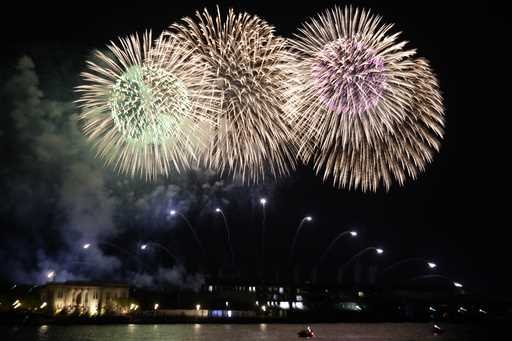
(228, 234)
(145, 246)
(377, 250)
(447, 279)
(297, 231)
(50, 275)
(324, 255)
(196, 237)
(263, 202)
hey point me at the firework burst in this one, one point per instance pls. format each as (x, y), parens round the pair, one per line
(252, 137)
(141, 102)
(368, 111)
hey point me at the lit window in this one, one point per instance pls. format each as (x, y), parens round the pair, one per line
(284, 305)
(281, 290)
(210, 288)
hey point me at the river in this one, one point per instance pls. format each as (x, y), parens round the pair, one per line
(238, 332)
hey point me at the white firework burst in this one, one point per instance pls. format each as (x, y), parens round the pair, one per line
(252, 138)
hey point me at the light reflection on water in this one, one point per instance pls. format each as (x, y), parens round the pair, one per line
(235, 332)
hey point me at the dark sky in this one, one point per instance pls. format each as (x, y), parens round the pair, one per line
(449, 214)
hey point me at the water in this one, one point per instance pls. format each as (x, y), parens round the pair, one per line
(237, 332)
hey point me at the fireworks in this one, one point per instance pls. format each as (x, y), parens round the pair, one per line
(141, 102)
(368, 111)
(229, 94)
(252, 137)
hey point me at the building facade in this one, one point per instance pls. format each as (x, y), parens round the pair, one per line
(85, 298)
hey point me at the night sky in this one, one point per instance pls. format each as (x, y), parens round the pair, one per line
(448, 214)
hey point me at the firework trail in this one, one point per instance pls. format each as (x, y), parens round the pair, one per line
(141, 102)
(252, 137)
(368, 112)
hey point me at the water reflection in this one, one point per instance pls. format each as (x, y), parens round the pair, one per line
(236, 332)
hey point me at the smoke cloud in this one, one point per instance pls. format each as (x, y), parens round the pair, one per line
(58, 197)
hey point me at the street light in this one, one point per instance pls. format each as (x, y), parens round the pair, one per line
(145, 246)
(228, 234)
(86, 246)
(378, 251)
(50, 275)
(432, 265)
(263, 202)
(457, 284)
(299, 227)
(352, 233)
(173, 213)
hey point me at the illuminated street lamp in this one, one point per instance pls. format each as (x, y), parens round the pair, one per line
(50, 275)
(430, 265)
(196, 237)
(156, 306)
(378, 251)
(324, 255)
(198, 307)
(146, 245)
(457, 284)
(299, 227)
(228, 234)
(263, 202)
(86, 246)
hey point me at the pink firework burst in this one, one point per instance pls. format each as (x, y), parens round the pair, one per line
(350, 77)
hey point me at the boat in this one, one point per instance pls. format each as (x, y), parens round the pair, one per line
(308, 332)
(436, 330)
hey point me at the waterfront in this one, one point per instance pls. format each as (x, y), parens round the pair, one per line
(232, 332)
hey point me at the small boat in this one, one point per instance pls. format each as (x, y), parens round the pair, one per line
(436, 330)
(308, 332)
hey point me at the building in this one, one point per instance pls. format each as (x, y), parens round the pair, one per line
(85, 298)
